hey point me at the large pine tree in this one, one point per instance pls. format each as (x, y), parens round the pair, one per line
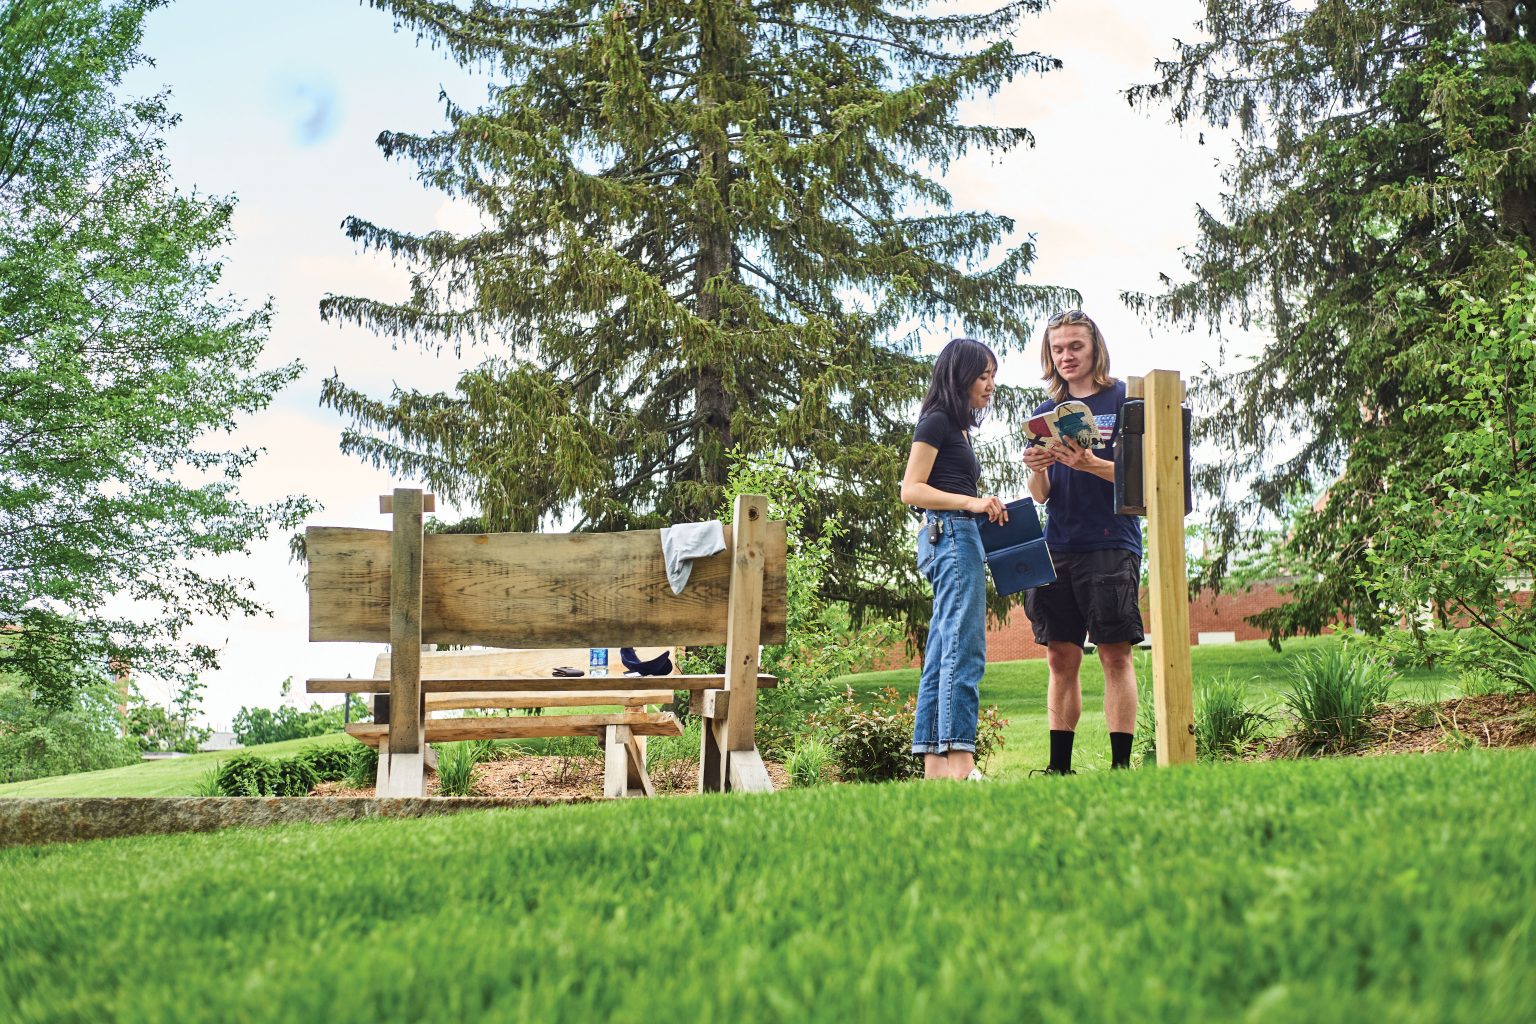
(1379, 206)
(710, 225)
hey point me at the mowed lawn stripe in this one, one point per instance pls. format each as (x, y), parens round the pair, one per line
(1387, 888)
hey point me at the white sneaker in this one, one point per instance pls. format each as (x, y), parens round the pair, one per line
(975, 776)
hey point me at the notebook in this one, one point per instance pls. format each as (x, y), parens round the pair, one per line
(1016, 550)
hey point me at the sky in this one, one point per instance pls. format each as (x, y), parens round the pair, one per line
(280, 104)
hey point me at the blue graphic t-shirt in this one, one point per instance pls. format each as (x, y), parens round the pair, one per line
(1081, 509)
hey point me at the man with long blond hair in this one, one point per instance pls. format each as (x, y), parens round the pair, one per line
(1096, 552)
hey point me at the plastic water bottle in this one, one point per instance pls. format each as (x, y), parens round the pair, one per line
(597, 661)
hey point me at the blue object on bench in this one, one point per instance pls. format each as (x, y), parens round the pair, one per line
(1016, 550)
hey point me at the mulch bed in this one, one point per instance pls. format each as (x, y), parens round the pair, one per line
(556, 778)
(1492, 720)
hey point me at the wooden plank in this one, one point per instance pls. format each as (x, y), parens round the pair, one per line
(454, 730)
(615, 771)
(749, 527)
(535, 683)
(1168, 588)
(532, 590)
(637, 775)
(387, 503)
(748, 774)
(498, 664)
(713, 703)
(405, 602)
(711, 763)
(581, 699)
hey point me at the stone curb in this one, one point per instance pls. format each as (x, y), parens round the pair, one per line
(28, 821)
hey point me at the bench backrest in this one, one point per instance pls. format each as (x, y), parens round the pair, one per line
(532, 590)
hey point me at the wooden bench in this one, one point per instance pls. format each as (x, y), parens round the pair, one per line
(627, 773)
(530, 590)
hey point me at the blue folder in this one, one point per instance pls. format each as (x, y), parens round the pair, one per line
(1016, 550)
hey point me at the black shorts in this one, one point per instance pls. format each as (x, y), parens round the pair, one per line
(1095, 596)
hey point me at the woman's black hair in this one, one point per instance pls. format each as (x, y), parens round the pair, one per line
(956, 369)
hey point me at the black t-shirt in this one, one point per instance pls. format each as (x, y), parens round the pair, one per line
(956, 468)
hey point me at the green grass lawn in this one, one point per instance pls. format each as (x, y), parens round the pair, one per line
(1018, 689)
(1398, 889)
(176, 776)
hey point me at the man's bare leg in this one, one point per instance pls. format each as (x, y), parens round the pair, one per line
(1119, 700)
(1064, 696)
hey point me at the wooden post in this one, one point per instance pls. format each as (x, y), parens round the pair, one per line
(405, 775)
(1163, 482)
(744, 619)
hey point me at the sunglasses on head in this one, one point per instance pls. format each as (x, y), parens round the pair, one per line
(1067, 316)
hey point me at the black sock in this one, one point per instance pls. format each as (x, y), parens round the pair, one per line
(1061, 749)
(1120, 749)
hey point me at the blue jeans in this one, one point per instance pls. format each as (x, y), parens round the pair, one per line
(949, 692)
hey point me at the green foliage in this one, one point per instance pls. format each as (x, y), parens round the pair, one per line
(872, 740)
(456, 765)
(810, 762)
(295, 777)
(707, 226)
(119, 362)
(253, 726)
(1380, 203)
(363, 767)
(1333, 693)
(991, 732)
(822, 639)
(207, 784)
(82, 734)
(1224, 723)
(1383, 889)
(249, 775)
(157, 728)
(330, 763)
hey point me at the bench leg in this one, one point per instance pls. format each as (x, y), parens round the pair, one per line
(407, 775)
(747, 772)
(615, 760)
(639, 775)
(711, 761)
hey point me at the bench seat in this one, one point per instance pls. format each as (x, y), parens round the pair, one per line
(453, 730)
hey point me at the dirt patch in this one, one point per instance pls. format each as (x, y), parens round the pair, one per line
(560, 778)
(1492, 720)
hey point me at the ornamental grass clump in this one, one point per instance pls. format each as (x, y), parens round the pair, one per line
(1335, 692)
(810, 763)
(456, 765)
(1224, 724)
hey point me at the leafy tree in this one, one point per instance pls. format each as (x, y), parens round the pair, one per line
(117, 359)
(253, 726)
(1378, 206)
(83, 735)
(708, 226)
(158, 728)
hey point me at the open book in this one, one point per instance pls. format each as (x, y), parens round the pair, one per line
(1068, 420)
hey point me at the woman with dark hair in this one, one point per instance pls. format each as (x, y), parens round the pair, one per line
(942, 481)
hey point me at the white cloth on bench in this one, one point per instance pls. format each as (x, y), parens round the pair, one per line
(682, 543)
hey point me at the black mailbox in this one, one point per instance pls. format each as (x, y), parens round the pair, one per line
(1130, 427)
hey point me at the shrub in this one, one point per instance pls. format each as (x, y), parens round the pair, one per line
(990, 728)
(295, 777)
(1224, 723)
(248, 775)
(809, 762)
(1336, 690)
(330, 762)
(874, 744)
(82, 734)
